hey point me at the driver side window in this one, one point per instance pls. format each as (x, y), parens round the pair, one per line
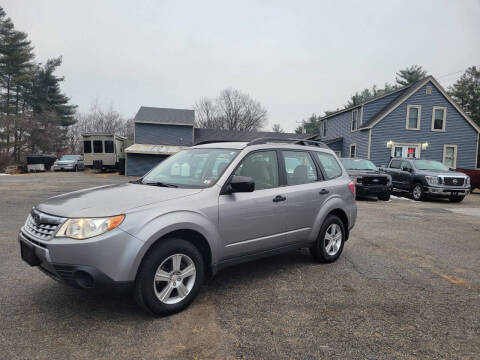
(262, 167)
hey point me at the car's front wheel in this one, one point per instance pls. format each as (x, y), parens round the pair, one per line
(384, 197)
(329, 244)
(170, 277)
(417, 192)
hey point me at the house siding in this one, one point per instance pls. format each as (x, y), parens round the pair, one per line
(374, 107)
(339, 126)
(140, 164)
(457, 131)
(160, 134)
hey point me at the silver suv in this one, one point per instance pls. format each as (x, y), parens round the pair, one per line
(202, 209)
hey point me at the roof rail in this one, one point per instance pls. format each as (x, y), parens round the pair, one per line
(303, 142)
(217, 141)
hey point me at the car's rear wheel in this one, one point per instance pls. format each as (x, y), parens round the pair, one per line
(456, 199)
(329, 244)
(417, 192)
(170, 277)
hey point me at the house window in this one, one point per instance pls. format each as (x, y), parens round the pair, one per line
(413, 117)
(354, 119)
(428, 90)
(353, 150)
(98, 146)
(87, 147)
(439, 115)
(323, 128)
(450, 156)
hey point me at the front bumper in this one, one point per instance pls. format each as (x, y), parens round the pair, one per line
(103, 261)
(373, 190)
(446, 191)
(63, 167)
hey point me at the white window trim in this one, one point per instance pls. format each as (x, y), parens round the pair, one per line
(444, 108)
(419, 145)
(350, 152)
(445, 146)
(351, 121)
(419, 107)
(323, 128)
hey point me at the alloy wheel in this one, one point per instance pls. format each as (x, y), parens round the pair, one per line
(333, 239)
(174, 278)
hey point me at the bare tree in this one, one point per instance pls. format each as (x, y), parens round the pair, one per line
(277, 128)
(99, 119)
(231, 110)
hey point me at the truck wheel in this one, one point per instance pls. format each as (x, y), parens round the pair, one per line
(456, 199)
(417, 192)
(329, 244)
(75, 168)
(384, 197)
(169, 277)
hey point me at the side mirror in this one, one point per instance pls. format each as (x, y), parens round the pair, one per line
(240, 184)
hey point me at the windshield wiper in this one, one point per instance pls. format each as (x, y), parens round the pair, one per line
(158, 183)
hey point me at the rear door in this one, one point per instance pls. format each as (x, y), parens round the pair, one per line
(394, 170)
(303, 191)
(254, 221)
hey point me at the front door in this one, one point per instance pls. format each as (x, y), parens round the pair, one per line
(254, 221)
(406, 151)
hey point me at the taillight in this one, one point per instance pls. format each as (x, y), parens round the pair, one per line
(351, 185)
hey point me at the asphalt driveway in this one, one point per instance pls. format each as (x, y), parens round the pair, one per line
(407, 286)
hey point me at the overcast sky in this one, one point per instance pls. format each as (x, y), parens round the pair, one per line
(295, 57)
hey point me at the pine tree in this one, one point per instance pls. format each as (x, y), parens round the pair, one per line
(410, 75)
(466, 92)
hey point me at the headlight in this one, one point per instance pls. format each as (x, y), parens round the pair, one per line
(432, 180)
(357, 179)
(86, 228)
(467, 181)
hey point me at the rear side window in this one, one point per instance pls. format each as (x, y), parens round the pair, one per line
(87, 146)
(330, 165)
(108, 146)
(98, 146)
(300, 167)
(395, 164)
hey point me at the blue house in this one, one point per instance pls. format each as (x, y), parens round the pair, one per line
(420, 120)
(161, 132)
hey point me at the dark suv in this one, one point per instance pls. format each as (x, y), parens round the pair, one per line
(427, 177)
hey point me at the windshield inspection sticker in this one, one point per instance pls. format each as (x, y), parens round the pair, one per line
(207, 181)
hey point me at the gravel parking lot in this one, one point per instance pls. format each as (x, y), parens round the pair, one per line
(407, 286)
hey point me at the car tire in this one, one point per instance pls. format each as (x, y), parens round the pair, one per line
(159, 264)
(456, 199)
(417, 192)
(323, 250)
(384, 197)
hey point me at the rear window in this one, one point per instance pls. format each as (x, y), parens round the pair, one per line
(87, 146)
(108, 146)
(98, 146)
(330, 165)
(395, 164)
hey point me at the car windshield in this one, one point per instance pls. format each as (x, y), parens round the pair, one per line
(358, 164)
(429, 165)
(197, 168)
(69, 157)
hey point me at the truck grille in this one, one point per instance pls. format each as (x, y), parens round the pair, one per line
(41, 226)
(374, 180)
(454, 181)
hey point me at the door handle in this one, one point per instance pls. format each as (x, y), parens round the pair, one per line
(279, 198)
(323, 192)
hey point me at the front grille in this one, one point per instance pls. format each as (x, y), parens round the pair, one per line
(374, 180)
(453, 181)
(41, 226)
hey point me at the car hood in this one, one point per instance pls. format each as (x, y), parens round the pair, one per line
(441, 173)
(365, 172)
(110, 200)
(64, 162)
